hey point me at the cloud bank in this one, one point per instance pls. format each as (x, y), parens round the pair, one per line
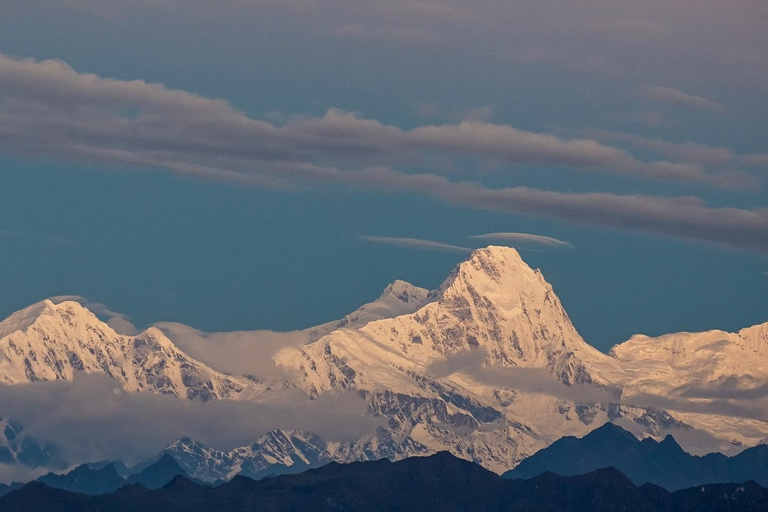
(92, 419)
(237, 352)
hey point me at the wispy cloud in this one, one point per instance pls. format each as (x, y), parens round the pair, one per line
(673, 96)
(18, 234)
(528, 380)
(522, 237)
(415, 243)
(51, 109)
(692, 152)
(683, 217)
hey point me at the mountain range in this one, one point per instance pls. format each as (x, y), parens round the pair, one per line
(488, 366)
(438, 482)
(96, 479)
(663, 463)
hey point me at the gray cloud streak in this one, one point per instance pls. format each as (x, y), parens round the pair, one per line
(522, 237)
(691, 152)
(237, 352)
(527, 380)
(50, 109)
(683, 217)
(725, 400)
(416, 243)
(676, 97)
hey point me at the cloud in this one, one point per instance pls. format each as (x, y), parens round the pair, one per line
(238, 352)
(686, 151)
(367, 31)
(652, 118)
(522, 237)
(91, 419)
(679, 98)
(17, 234)
(726, 400)
(716, 406)
(428, 110)
(730, 388)
(529, 380)
(476, 114)
(682, 217)
(415, 243)
(49, 109)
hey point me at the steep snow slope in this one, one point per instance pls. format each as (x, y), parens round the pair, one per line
(492, 305)
(493, 301)
(48, 341)
(398, 298)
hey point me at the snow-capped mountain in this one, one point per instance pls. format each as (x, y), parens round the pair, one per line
(399, 298)
(492, 305)
(703, 358)
(488, 366)
(48, 341)
(493, 301)
(275, 452)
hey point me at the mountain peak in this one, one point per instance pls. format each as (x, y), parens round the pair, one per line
(70, 311)
(493, 261)
(492, 269)
(404, 292)
(498, 252)
(54, 341)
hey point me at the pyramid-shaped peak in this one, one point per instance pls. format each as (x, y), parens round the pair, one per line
(611, 431)
(494, 261)
(493, 269)
(25, 318)
(496, 252)
(404, 292)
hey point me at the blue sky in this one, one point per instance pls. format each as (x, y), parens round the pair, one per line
(218, 164)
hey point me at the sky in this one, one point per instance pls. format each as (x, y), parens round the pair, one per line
(259, 164)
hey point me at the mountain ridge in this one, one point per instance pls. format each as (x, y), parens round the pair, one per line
(663, 463)
(488, 366)
(49, 341)
(440, 481)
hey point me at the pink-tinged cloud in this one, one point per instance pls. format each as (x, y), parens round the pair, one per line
(676, 97)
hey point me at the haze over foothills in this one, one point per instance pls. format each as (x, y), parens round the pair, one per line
(224, 184)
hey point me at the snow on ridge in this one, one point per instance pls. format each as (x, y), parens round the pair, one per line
(51, 341)
(492, 304)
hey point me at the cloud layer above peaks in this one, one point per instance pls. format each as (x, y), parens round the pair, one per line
(50, 109)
